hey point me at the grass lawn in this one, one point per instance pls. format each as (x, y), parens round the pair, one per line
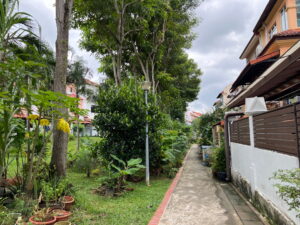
(136, 207)
(132, 208)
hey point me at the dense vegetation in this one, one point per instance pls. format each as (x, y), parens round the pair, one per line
(144, 40)
(135, 42)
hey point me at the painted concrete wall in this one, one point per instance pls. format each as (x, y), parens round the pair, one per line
(256, 166)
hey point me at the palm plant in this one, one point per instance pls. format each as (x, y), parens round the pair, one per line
(13, 25)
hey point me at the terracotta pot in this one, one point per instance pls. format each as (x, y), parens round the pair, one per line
(50, 222)
(67, 201)
(61, 215)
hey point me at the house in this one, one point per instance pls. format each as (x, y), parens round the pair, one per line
(269, 56)
(224, 97)
(87, 103)
(190, 116)
(262, 143)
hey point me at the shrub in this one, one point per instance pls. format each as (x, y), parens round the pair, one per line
(289, 188)
(86, 160)
(72, 137)
(121, 119)
(219, 159)
(174, 146)
(53, 190)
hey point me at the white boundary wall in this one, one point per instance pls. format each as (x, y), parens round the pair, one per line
(257, 166)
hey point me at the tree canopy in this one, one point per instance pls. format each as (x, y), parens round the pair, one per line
(144, 39)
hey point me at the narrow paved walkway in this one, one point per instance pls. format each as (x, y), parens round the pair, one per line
(200, 200)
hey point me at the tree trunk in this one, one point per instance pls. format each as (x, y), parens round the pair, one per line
(60, 139)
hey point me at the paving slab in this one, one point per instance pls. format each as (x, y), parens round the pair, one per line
(199, 199)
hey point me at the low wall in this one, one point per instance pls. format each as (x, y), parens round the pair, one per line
(251, 171)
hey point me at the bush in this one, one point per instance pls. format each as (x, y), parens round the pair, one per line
(86, 160)
(289, 188)
(174, 145)
(219, 159)
(53, 190)
(72, 137)
(121, 118)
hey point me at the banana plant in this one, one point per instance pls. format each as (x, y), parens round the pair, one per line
(128, 168)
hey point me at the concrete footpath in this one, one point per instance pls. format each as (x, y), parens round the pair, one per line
(198, 199)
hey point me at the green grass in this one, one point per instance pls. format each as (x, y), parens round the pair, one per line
(136, 207)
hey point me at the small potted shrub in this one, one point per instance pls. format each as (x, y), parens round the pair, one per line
(219, 163)
(67, 202)
(60, 214)
(43, 217)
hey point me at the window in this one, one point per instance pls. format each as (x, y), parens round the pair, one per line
(284, 19)
(71, 89)
(273, 31)
(298, 12)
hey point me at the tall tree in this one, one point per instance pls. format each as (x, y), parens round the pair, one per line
(60, 138)
(156, 34)
(106, 26)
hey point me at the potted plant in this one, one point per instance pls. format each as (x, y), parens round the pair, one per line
(43, 217)
(67, 202)
(219, 163)
(60, 214)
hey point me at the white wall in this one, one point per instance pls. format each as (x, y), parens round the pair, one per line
(256, 166)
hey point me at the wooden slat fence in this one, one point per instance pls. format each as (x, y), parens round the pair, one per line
(278, 130)
(239, 131)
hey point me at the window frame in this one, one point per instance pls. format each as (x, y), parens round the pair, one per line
(284, 19)
(272, 31)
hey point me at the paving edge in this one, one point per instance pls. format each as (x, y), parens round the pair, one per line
(260, 216)
(164, 204)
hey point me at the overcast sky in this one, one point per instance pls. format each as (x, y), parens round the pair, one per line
(225, 28)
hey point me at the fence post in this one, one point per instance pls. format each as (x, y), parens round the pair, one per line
(251, 131)
(297, 131)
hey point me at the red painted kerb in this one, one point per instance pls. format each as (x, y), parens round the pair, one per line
(163, 205)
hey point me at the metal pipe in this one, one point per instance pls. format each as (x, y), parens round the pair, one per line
(227, 145)
(147, 142)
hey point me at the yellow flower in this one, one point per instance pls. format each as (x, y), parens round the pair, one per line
(63, 126)
(44, 122)
(33, 117)
(27, 135)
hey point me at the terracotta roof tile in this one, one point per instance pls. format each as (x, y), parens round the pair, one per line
(91, 83)
(264, 57)
(288, 33)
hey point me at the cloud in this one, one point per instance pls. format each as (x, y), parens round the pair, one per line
(224, 30)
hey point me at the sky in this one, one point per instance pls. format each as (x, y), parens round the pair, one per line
(224, 29)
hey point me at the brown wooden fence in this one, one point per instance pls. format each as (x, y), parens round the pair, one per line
(278, 130)
(239, 131)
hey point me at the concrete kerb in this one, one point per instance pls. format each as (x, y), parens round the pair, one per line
(164, 204)
(261, 217)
